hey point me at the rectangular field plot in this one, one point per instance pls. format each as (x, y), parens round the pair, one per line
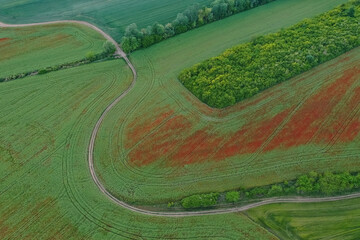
(32, 48)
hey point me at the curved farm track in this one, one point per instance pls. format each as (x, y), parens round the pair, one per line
(120, 53)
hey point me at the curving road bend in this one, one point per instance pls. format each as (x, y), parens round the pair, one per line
(121, 53)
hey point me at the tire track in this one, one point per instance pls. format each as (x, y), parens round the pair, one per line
(119, 52)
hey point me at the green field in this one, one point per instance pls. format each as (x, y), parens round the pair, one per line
(160, 143)
(33, 48)
(333, 220)
(111, 16)
(46, 188)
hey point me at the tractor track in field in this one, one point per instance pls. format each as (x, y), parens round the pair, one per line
(119, 52)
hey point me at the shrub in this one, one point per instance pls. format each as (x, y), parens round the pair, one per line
(43, 71)
(200, 200)
(232, 196)
(109, 48)
(351, 12)
(257, 192)
(275, 190)
(90, 56)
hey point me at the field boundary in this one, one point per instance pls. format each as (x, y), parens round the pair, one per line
(120, 53)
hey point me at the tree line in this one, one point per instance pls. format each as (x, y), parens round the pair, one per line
(249, 68)
(311, 184)
(193, 17)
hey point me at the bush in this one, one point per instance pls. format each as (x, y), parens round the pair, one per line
(200, 200)
(109, 48)
(275, 190)
(90, 56)
(351, 12)
(130, 44)
(307, 183)
(232, 196)
(258, 192)
(43, 71)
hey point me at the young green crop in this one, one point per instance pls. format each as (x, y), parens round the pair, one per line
(46, 188)
(27, 49)
(331, 220)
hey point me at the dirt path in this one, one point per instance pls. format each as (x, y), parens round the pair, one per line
(119, 51)
(95, 131)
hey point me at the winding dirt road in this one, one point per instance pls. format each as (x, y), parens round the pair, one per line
(95, 131)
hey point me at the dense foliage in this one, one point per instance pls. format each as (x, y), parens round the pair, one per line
(311, 184)
(232, 196)
(192, 17)
(245, 70)
(200, 200)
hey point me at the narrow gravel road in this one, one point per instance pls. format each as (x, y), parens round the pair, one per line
(95, 131)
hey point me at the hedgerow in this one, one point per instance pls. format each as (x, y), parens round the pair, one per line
(200, 200)
(249, 68)
(311, 184)
(108, 50)
(193, 17)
